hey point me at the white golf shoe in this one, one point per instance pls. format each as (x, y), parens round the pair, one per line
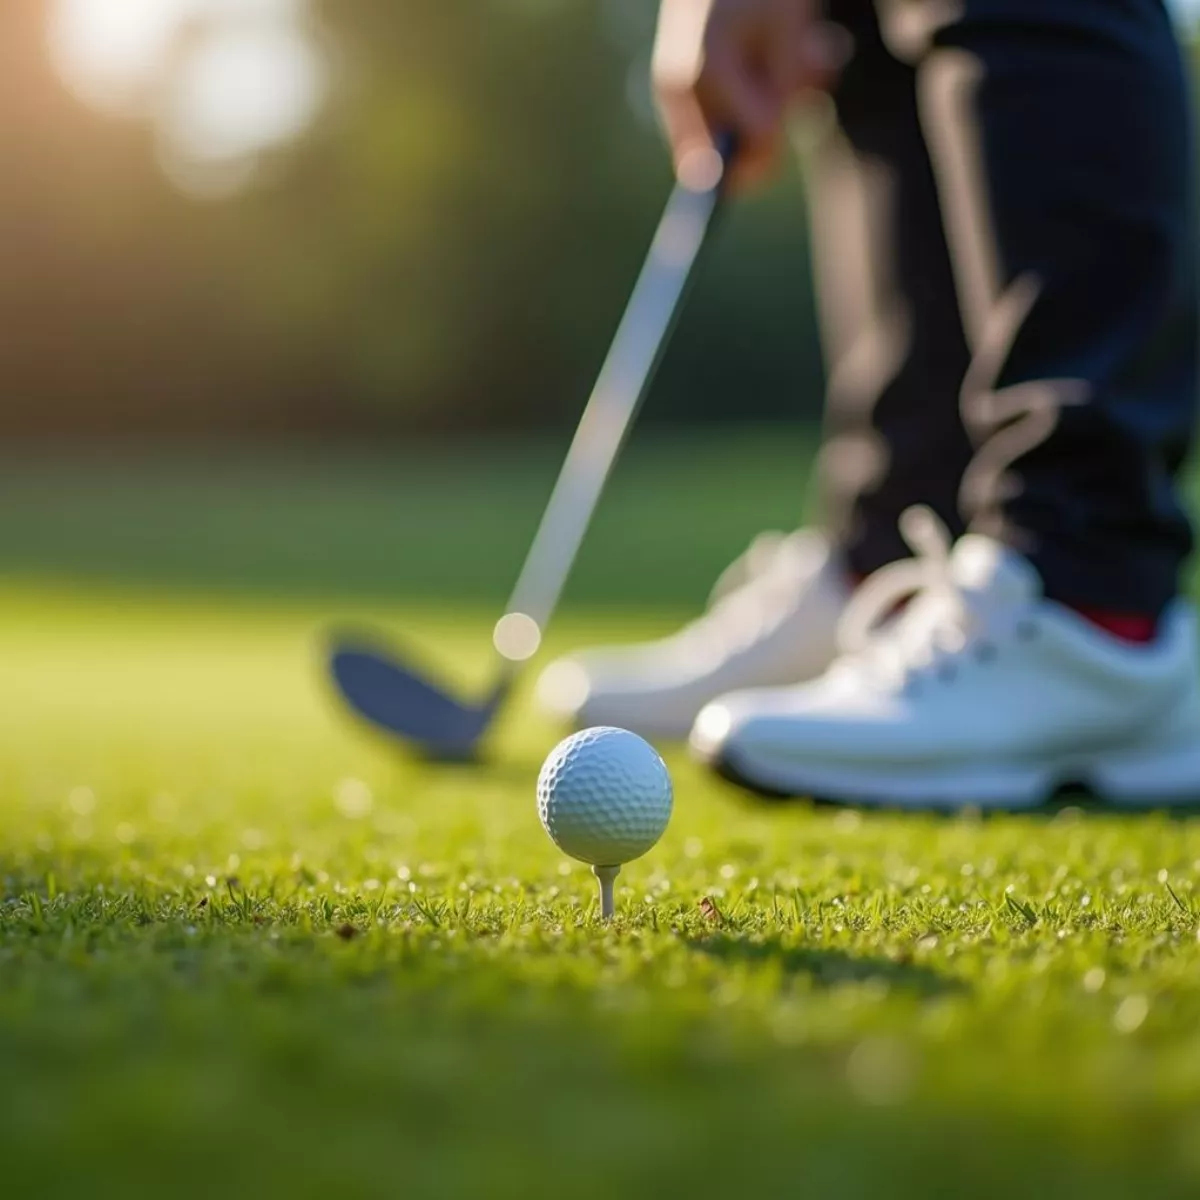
(772, 619)
(980, 693)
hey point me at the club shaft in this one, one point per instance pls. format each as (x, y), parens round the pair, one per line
(620, 390)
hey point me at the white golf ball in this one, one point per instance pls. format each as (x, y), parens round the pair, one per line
(604, 796)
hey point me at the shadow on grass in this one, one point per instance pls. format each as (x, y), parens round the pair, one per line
(1078, 799)
(1070, 799)
(827, 968)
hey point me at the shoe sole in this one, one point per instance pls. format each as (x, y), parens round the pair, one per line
(1135, 780)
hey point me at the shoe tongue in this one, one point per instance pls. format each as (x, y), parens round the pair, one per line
(986, 567)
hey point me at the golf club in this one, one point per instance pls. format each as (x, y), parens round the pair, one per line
(385, 689)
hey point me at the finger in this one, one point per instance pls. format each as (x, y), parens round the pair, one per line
(687, 130)
(726, 98)
(679, 46)
(735, 98)
(677, 65)
(783, 50)
(734, 95)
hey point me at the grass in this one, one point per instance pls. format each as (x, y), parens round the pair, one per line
(246, 949)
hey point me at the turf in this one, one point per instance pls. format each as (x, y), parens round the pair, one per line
(246, 949)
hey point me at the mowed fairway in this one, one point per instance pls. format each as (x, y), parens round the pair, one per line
(248, 950)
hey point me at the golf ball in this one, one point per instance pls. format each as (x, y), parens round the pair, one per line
(604, 796)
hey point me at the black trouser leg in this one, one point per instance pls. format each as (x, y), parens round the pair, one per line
(894, 342)
(1060, 137)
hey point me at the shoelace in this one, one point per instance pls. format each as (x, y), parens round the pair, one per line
(756, 592)
(877, 636)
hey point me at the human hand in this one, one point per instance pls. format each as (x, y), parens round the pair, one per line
(735, 67)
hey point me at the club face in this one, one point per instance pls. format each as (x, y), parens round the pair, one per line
(405, 704)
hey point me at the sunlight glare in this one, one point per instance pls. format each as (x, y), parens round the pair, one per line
(110, 54)
(243, 90)
(249, 76)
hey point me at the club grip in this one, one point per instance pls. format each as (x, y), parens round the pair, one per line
(726, 142)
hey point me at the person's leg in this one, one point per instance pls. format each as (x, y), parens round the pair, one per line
(895, 349)
(1060, 137)
(1060, 134)
(897, 355)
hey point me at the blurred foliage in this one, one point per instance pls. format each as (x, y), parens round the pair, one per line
(451, 245)
(431, 523)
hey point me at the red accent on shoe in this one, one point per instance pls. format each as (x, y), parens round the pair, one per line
(1128, 627)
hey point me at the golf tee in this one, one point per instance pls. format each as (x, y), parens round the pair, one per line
(607, 876)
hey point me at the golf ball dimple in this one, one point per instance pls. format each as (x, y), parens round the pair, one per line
(604, 796)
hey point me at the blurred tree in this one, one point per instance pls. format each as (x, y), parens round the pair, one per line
(450, 245)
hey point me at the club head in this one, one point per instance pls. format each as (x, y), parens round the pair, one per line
(394, 698)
